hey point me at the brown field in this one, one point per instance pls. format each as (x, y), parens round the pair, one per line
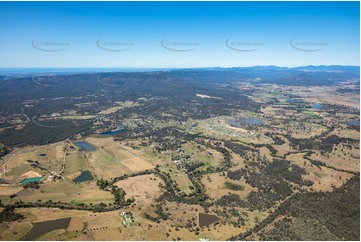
(216, 188)
(82, 117)
(302, 130)
(75, 224)
(112, 159)
(8, 190)
(180, 213)
(323, 178)
(144, 189)
(239, 162)
(111, 110)
(120, 105)
(74, 175)
(137, 164)
(347, 133)
(342, 158)
(264, 151)
(223, 122)
(335, 97)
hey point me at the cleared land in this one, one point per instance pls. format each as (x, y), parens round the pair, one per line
(112, 159)
(216, 186)
(144, 189)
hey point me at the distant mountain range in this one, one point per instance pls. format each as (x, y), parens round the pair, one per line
(13, 72)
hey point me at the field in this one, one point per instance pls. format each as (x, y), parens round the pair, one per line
(303, 129)
(341, 157)
(144, 189)
(6, 190)
(119, 106)
(64, 191)
(346, 133)
(78, 117)
(216, 186)
(97, 226)
(324, 178)
(17, 162)
(310, 113)
(112, 159)
(218, 127)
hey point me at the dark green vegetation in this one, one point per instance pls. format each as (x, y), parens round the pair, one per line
(233, 186)
(3, 150)
(273, 181)
(324, 144)
(32, 133)
(104, 89)
(174, 91)
(8, 214)
(308, 216)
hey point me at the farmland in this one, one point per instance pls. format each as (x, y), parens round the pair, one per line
(251, 155)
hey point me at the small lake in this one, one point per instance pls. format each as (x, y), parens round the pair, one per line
(317, 106)
(206, 219)
(240, 123)
(84, 176)
(84, 145)
(353, 122)
(42, 228)
(112, 132)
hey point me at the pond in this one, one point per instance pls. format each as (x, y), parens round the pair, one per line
(206, 219)
(30, 180)
(84, 176)
(353, 122)
(112, 132)
(42, 228)
(84, 145)
(240, 123)
(317, 106)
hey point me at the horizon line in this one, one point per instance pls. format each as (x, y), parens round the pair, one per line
(195, 67)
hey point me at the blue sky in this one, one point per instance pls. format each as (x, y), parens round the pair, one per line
(178, 34)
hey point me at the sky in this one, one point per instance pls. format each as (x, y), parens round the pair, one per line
(178, 34)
